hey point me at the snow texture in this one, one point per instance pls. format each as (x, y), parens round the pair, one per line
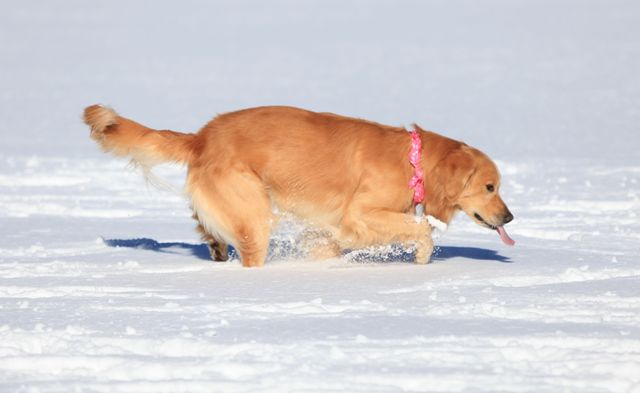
(105, 287)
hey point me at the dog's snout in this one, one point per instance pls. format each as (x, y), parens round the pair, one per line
(508, 217)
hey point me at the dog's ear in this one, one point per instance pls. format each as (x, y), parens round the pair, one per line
(454, 171)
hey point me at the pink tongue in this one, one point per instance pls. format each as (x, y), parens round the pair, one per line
(504, 237)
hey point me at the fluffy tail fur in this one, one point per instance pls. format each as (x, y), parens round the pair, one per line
(126, 138)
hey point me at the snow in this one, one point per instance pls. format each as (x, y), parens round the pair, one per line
(105, 286)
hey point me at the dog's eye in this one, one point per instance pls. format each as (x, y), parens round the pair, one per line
(490, 187)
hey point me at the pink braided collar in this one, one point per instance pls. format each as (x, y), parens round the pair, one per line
(415, 155)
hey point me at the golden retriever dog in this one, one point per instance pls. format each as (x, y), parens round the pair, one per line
(347, 177)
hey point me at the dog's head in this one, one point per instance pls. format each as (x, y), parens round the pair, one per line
(471, 183)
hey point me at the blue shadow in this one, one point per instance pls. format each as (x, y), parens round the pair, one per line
(442, 253)
(283, 249)
(200, 251)
(396, 253)
(278, 249)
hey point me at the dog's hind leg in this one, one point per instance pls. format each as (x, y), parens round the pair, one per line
(320, 244)
(218, 249)
(234, 206)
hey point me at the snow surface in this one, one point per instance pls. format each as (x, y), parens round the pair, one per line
(105, 287)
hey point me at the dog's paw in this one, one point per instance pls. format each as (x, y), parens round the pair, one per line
(424, 250)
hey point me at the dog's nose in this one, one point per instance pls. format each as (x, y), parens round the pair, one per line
(508, 217)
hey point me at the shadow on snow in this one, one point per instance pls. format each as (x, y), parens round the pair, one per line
(286, 249)
(197, 250)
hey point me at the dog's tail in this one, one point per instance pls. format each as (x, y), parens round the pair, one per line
(145, 146)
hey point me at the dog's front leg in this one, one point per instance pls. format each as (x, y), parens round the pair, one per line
(380, 227)
(424, 248)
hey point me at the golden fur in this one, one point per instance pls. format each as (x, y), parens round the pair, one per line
(348, 177)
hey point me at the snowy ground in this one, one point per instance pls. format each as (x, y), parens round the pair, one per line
(104, 286)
